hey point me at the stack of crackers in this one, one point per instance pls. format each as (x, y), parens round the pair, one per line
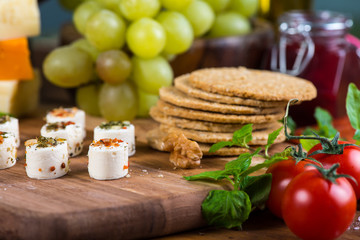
(208, 105)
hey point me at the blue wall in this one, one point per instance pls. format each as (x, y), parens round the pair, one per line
(53, 15)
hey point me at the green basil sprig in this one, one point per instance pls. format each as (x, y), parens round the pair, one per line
(353, 109)
(231, 208)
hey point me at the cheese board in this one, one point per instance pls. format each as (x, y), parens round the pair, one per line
(153, 201)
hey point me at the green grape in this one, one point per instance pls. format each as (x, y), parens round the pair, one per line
(146, 101)
(118, 103)
(68, 67)
(218, 5)
(151, 74)
(105, 30)
(176, 5)
(70, 4)
(84, 45)
(113, 66)
(179, 33)
(146, 38)
(136, 9)
(230, 24)
(109, 4)
(246, 8)
(200, 15)
(82, 14)
(169, 57)
(87, 98)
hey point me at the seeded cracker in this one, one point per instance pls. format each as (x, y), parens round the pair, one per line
(187, 113)
(182, 83)
(254, 84)
(202, 125)
(259, 137)
(178, 98)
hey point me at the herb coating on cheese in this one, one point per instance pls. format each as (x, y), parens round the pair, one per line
(115, 124)
(58, 125)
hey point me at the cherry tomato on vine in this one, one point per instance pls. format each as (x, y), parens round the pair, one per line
(316, 208)
(349, 162)
(282, 173)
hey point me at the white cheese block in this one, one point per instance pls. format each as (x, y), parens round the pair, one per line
(122, 132)
(46, 162)
(108, 162)
(7, 150)
(73, 134)
(12, 126)
(19, 18)
(67, 114)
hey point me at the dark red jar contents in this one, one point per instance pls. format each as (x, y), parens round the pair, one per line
(332, 62)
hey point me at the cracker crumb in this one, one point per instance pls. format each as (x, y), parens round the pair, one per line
(128, 175)
(160, 176)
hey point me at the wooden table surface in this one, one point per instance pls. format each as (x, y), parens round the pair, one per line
(153, 202)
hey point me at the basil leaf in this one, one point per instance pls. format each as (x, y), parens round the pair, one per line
(271, 138)
(258, 188)
(291, 124)
(324, 121)
(279, 156)
(210, 175)
(242, 162)
(242, 136)
(220, 145)
(353, 108)
(308, 143)
(226, 208)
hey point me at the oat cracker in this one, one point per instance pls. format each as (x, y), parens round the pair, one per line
(187, 113)
(254, 84)
(258, 137)
(178, 98)
(202, 125)
(182, 83)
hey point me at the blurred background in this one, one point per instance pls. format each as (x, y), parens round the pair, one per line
(56, 30)
(53, 15)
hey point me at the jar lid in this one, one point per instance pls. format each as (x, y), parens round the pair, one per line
(298, 21)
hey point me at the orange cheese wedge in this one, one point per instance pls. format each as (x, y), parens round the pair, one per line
(15, 60)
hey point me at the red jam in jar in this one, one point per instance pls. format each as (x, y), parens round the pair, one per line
(313, 46)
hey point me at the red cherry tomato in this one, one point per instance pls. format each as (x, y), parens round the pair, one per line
(315, 208)
(349, 162)
(282, 173)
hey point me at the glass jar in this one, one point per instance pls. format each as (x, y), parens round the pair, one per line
(312, 45)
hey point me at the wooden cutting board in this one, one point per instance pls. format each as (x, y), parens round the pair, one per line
(154, 201)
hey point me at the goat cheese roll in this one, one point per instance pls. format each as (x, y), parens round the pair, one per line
(117, 129)
(10, 124)
(71, 132)
(7, 150)
(46, 158)
(108, 159)
(67, 114)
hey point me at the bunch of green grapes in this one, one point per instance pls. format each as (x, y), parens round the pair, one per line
(121, 62)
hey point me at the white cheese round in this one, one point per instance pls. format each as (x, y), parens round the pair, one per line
(67, 114)
(73, 133)
(108, 162)
(12, 126)
(46, 162)
(7, 150)
(124, 133)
